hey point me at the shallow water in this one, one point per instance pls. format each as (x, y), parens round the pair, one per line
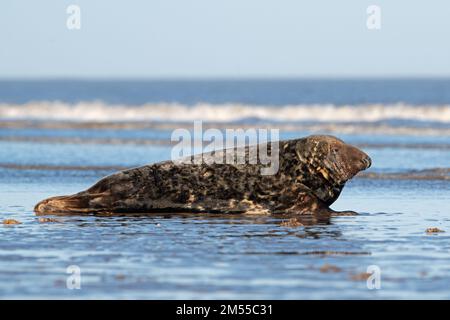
(238, 257)
(211, 257)
(218, 257)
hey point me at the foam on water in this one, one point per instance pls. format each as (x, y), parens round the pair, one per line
(172, 112)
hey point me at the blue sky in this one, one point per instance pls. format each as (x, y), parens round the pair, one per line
(223, 38)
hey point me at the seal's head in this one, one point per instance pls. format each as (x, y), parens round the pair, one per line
(334, 161)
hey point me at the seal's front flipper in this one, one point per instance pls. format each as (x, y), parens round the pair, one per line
(343, 213)
(308, 204)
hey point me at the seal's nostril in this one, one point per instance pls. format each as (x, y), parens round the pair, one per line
(368, 162)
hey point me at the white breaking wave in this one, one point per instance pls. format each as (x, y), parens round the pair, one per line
(171, 112)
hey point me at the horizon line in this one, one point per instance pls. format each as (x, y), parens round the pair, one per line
(226, 78)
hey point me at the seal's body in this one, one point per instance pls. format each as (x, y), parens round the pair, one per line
(312, 172)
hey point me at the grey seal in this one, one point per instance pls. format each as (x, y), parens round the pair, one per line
(312, 173)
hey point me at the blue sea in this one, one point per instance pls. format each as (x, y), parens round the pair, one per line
(60, 136)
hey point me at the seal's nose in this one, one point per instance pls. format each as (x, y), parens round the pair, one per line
(367, 162)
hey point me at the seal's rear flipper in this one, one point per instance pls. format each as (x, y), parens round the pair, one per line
(79, 203)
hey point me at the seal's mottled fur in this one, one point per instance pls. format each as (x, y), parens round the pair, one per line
(312, 172)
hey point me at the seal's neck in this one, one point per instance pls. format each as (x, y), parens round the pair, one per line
(322, 180)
